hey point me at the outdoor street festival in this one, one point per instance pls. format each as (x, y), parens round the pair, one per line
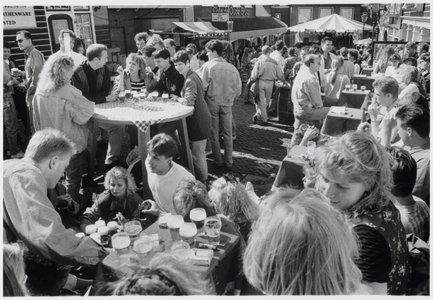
(226, 150)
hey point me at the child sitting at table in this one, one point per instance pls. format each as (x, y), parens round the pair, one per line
(118, 201)
(164, 274)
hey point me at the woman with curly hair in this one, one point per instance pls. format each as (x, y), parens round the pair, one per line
(300, 245)
(58, 104)
(354, 173)
(163, 274)
(231, 200)
(119, 200)
(133, 77)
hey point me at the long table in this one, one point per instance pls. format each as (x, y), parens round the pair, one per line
(336, 123)
(141, 113)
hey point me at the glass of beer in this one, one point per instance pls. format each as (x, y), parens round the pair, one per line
(174, 222)
(133, 229)
(212, 226)
(142, 246)
(354, 87)
(187, 232)
(197, 216)
(363, 88)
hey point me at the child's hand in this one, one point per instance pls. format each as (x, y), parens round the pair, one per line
(311, 133)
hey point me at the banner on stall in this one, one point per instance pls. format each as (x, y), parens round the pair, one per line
(16, 17)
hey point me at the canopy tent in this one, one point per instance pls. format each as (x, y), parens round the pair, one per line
(364, 42)
(332, 23)
(193, 29)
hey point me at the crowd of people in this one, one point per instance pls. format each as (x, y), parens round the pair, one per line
(344, 233)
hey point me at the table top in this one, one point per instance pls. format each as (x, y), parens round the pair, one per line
(356, 92)
(130, 111)
(227, 244)
(351, 113)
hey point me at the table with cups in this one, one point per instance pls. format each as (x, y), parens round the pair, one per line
(141, 110)
(200, 242)
(353, 96)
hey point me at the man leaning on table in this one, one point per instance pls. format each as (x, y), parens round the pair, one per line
(29, 215)
(92, 78)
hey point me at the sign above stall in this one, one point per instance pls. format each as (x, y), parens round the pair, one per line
(19, 17)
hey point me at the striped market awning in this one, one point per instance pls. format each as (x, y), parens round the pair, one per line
(331, 23)
(197, 27)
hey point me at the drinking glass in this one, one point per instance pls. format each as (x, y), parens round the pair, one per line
(187, 232)
(174, 222)
(197, 216)
(133, 229)
(212, 226)
(347, 87)
(122, 96)
(142, 246)
(355, 87)
(311, 147)
(362, 88)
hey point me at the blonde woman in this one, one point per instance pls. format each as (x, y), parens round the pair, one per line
(300, 245)
(118, 201)
(335, 81)
(133, 77)
(354, 172)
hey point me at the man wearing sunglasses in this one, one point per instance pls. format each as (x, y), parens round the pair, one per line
(34, 61)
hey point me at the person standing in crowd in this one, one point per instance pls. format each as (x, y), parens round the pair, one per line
(33, 66)
(276, 55)
(328, 56)
(422, 48)
(353, 56)
(92, 78)
(9, 112)
(193, 60)
(199, 124)
(265, 72)
(306, 94)
(424, 67)
(392, 70)
(58, 104)
(354, 173)
(320, 74)
(79, 47)
(28, 214)
(348, 66)
(77, 57)
(140, 41)
(289, 62)
(170, 45)
(222, 84)
(414, 212)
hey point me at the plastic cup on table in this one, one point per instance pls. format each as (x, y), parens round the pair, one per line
(347, 87)
(197, 216)
(173, 223)
(100, 223)
(142, 246)
(133, 229)
(120, 243)
(363, 88)
(187, 232)
(90, 229)
(122, 96)
(355, 87)
(212, 226)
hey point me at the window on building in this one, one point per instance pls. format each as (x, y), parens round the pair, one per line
(305, 15)
(83, 27)
(346, 12)
(323, 12)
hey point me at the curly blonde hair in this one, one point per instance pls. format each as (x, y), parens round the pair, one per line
(358, 157)
(121, 173)
(52, 76)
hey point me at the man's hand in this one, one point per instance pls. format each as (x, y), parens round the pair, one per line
(389, 122)
(373, 110)
(152, 210)
(112, 97)
(364, 127)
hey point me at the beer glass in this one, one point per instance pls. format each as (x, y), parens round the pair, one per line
(197, 216)
(142, 246)
(133, 229)
(187, 232)
(212, 226)
(174, 222)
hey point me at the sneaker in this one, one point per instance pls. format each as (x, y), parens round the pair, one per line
(18, 155)
(255, 119)
(261, 123)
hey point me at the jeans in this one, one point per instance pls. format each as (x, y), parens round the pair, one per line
(265, 93)
(115, 139)
(221, 118)
(10, 123)
(199, 159)
(74, 173)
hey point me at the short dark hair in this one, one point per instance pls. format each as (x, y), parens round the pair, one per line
(424, 46)
(310, 59)
(26, 33)
(148, 50)
(171, 42)
(387, 85)
(411, 61)
(410, 45)
(416, 117)
(163, 53)
(314, 49)
(344, 51)
(181, 56)
(95, 51)
(292, 51)
(141, 36)
(279, 45)
(354, 53)
(403, 167)
(162, 145)
(324, 39)
(215, 45)
(202, 55)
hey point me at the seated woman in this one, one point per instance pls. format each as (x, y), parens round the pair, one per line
(192, 194)
(163, 274)
(354, 172)
(395, 61)
(300, 245)
(383, 62)
(133, 77)
(410, 83)
(335, 82)
(14, 276)
(118, 201)
(353, 56)
(231, 200)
